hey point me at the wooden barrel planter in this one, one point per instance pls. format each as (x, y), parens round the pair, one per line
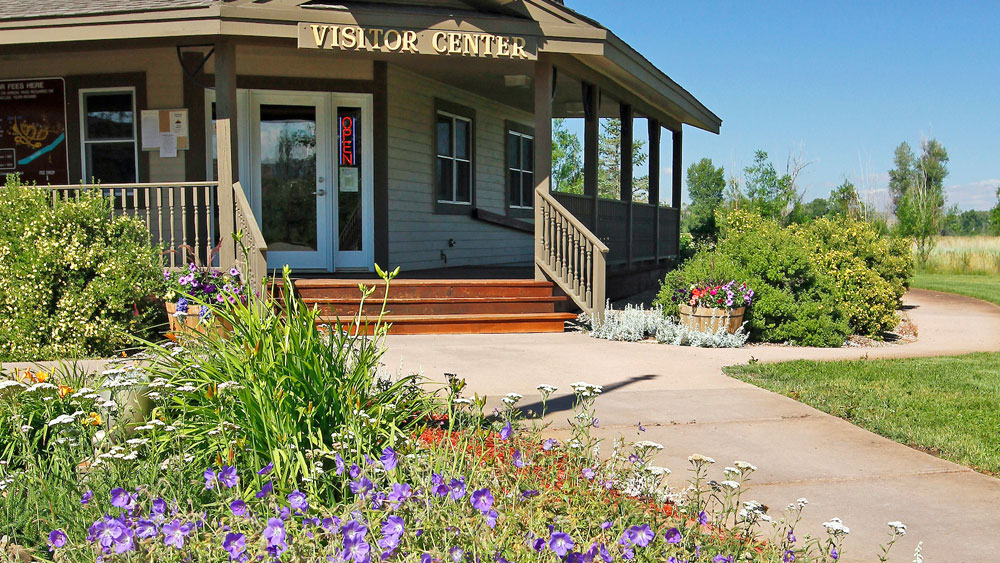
(710, 319)
(186, 326)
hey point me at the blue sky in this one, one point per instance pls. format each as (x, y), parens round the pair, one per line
(843, 83)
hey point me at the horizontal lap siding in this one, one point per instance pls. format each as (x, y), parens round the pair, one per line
(417, 235)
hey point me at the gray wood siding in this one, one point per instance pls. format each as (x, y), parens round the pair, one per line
(417, 235)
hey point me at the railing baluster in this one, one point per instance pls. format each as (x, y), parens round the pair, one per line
(173, 243)
(197, 213)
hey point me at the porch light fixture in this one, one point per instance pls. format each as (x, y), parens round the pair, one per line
(516, 80)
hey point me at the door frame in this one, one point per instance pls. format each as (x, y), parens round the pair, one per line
(248, 131)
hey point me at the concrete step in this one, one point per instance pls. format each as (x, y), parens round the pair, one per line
(462, 323)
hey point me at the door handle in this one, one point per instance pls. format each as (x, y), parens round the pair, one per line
(320, 192)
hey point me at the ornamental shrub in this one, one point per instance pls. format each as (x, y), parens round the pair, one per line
(795, 301)
(75, 281)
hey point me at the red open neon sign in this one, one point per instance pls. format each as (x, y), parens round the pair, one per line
(347, 148)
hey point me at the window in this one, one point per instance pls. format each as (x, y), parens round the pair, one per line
(108, 129)
(520, 169)
(453, 172)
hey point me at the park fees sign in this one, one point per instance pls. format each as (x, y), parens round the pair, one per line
(416, 41)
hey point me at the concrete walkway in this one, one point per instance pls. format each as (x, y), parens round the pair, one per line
(686, 403)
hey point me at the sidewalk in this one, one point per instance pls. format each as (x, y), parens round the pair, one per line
(687, 404)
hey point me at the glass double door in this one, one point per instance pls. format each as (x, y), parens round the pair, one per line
(306, 165)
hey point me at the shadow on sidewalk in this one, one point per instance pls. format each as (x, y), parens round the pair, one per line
(565, 403)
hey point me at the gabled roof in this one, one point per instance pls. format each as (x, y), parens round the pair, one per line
(558, 29)
(22, 9)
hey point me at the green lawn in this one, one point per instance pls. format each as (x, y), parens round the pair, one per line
(949, 406)
(979, 286)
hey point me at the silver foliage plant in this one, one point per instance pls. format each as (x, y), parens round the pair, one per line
(635, 323)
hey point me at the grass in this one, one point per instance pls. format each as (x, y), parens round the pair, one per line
(965, 255)
(946, 405)
(985, 287)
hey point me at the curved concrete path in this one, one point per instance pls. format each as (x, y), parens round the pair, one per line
(686, 403)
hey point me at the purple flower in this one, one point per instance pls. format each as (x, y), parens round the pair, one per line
(560, 543)
(274, 533)
(788, 557)
(235, 544)
(491, 518)
(589, 473)
(457, 488)
(392, 526)
(122, 499)
(606, 525)
(506, 431)
(640, 536)
(234, 271)
(159, 509)
(238, 508)
(57, 539)
(85, 499)
(482, 500)
(548, 444)
(833, 554)
(265, 490)
(339, 461)
(174, 533)
(703, 518)
(354, 531)
(673, 535)
(518, 461)
(107, 532)
(641, 427)
(358, 551)
(192, 267)
(720, 558)
(538, 544)
(362, 486)
(400, 492)
(354, 471)
(266, 470)
(605, 555)
(529, 493)
(456, 554)
(210, 479)
(297, 500)
(228, 476)
(388, 458)
(791, 536)
(145, 529)
(426, 558)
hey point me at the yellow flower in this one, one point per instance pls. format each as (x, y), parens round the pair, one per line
(94, 419)
(65, 390)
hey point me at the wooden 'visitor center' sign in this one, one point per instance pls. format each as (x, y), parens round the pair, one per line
(416, 41)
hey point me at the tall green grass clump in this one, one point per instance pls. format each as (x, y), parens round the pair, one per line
(964, 255)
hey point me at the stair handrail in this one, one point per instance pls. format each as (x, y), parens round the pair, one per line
(251, 259)
(569, 254)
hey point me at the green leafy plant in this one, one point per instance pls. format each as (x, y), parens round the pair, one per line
(75, 280)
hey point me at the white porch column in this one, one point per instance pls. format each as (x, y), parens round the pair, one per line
(226, 139)
(544, 82)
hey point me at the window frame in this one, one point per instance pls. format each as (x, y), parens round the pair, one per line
(454, 112)
(522, 131)
(82, 94)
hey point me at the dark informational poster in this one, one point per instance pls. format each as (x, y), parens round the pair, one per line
(33, 130)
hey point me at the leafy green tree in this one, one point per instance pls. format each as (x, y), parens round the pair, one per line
(920, 203)
(844, 200)
(807, 212)
(995, 216)
(706, 185)
(965, 223)
(609, 171)
(767, 192)
(567, 159)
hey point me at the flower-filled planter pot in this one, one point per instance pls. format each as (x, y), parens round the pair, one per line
(189, 324)
(711, 319)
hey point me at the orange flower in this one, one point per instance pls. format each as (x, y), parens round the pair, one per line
(40, 377)
(65, 390)
(94, 419)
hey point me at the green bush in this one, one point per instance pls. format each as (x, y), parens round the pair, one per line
(795, 301)
(815, 284)
(74, 280)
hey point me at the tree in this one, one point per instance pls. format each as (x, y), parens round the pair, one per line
(995, 216)
(806, 212)
(567, 162)
(920, 203)
(609, 170)
(706, 185)
(844, 200)
(767, 192)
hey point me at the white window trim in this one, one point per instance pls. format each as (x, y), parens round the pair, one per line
(522, 170)
(87, 178)
(454, 158)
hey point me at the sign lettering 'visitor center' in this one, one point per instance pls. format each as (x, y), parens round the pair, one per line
(414, 41)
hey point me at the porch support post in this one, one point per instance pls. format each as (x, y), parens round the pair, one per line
(544, 89)
(591, 134)
(627, 125)
(677, 167)
(226, 138)
(654, 182)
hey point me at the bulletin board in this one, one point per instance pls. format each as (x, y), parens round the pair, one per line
(33, 130)
(165, 130)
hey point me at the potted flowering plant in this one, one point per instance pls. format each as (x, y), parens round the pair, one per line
(191, 294)
(709, 307)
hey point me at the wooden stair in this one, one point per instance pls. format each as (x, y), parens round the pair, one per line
(441, 306)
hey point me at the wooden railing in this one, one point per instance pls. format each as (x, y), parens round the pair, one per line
(251, 256)
(180, 216)
(569, 254)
